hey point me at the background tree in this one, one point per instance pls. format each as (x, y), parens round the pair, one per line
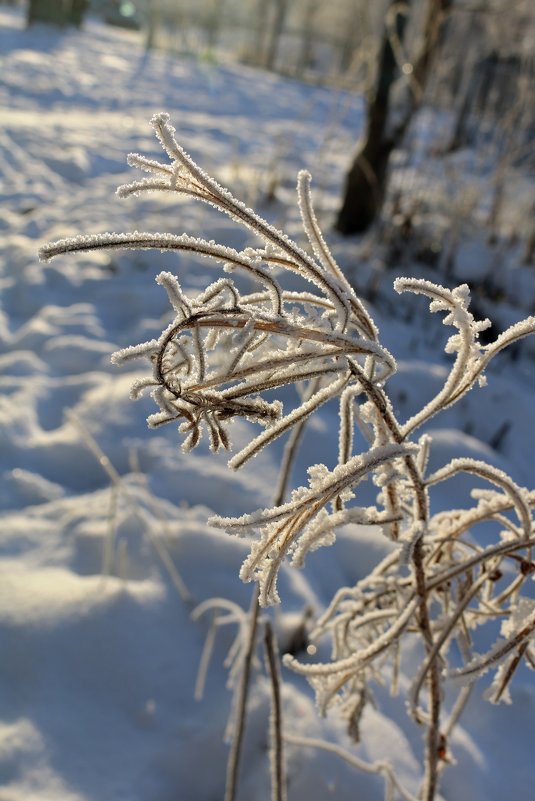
(57, 12)
(310, 10)
(280, 10)
(386, 126)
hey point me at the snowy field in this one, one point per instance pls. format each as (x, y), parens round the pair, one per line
(99, 655)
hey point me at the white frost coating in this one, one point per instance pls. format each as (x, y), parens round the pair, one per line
(498, 690)
(164, 399)
(465, 344)
(283, 527)
(218, 289)
(359, 659)
(522, 633)
(165, 133)
(148, 165)
(345, 429)
(177, 299)
(303, 411)
(222, 199)
(322, 531)
(522, 612)
(512, 334)
(409, 539)
(137, 388)
(143, 350)
(324, 255)
(518, 495)
(342, 476)
(144, 240)
(313, 232)
(472, 358)
(159, 418)
(142, 185)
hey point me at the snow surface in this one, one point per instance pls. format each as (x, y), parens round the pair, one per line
(99, 653)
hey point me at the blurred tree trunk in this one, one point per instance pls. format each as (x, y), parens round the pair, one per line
(305, 58)
(76, 12)
(255, 55)
(366, 180)
(213, 22)
(56, 12)
(275, 33)
(153, 23)
(354, 29)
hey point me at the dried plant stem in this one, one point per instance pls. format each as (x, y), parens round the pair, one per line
(433, 727)
(290, 449)
(242, 692)
(498, 653)
(205, 658)
(379, 767)
(240, 701)
(502, 549)
(156, 542)
(446, 633)
(278, 777)
(511, 669)
(109, 542)
(432, 740)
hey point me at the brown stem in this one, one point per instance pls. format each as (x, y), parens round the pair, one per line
(432, 739)
(242, 694)
(278, 784)
(290, 449)
(379, 400)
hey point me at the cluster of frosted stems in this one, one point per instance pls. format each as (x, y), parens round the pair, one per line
(224, 350)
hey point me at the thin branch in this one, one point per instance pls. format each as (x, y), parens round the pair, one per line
(278, 771)
(240, 702)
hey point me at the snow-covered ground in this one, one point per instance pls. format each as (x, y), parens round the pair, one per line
(99, 654)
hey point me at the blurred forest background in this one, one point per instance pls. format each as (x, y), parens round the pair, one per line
(469, 62)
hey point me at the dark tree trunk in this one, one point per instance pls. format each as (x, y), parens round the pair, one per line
(281, 7)
(366, 180)
(256, 54)
(213, 23)
(306, 47)
(56, 12)
(355, 23)
(76, 12)
(153, 23)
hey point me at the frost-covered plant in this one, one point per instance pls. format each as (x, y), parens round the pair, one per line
(218, 359)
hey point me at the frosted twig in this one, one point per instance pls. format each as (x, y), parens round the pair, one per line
(366, 767)
(278, 771)
(205, 658)
(495, 476)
